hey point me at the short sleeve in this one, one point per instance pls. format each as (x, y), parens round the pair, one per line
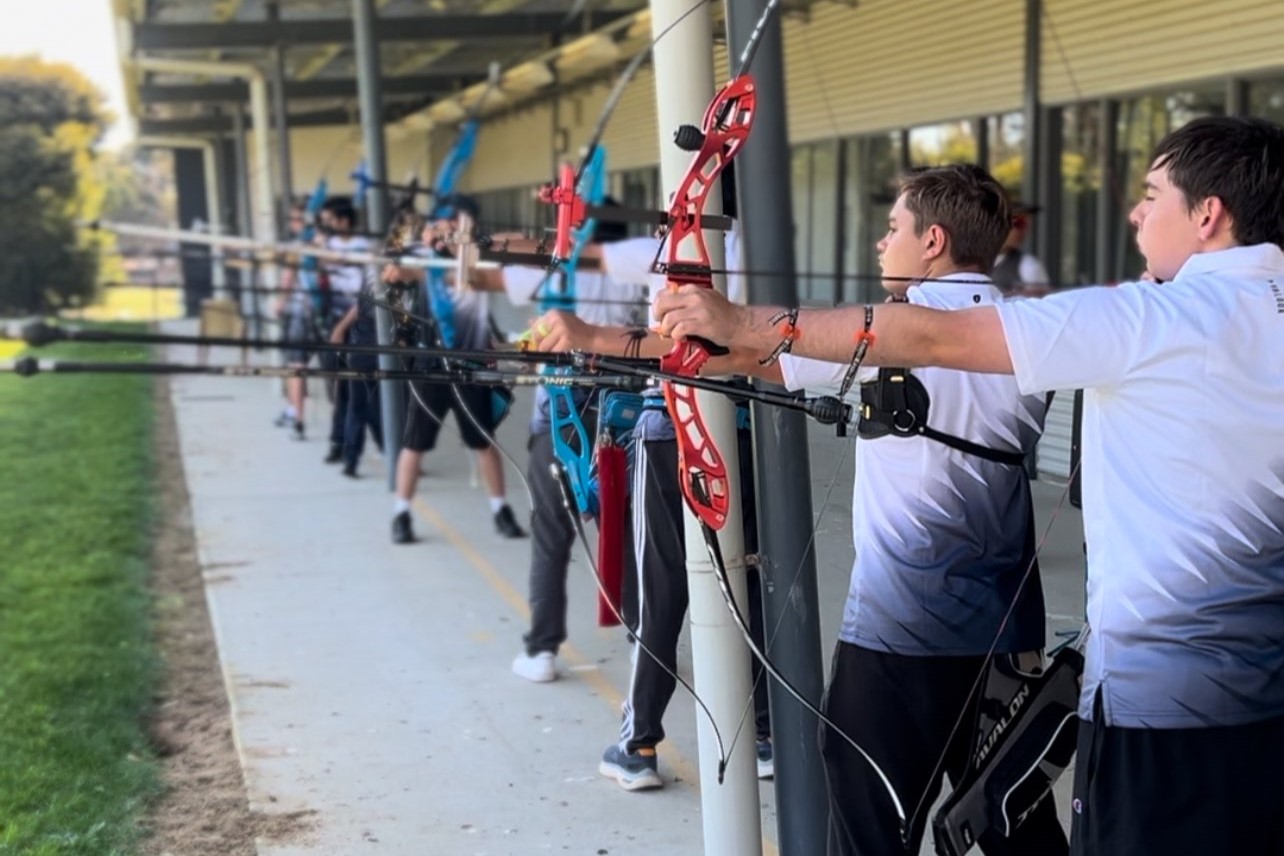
(1088, 337)
(630, 260)
(816, 376)
(521, 284)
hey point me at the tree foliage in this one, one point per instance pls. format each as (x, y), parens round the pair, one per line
(51, 118)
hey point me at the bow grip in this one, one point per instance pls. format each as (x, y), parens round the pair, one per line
(690, 355)
(570, 209)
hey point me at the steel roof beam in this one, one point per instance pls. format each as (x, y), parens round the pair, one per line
(180, 93)
(263, 34)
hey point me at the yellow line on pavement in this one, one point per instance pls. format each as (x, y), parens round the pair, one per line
(586, 670)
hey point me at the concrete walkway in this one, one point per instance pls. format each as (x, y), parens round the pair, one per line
(370, 683)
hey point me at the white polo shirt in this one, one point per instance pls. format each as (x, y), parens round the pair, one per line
(943, 537)
(1183, 483)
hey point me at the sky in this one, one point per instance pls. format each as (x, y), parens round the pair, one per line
(79, 32)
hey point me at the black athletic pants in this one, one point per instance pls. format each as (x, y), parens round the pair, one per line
(1178, 791)
(901, 711)
(553, 538)
(662, 589)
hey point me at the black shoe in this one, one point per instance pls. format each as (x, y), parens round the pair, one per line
(506, 524)
(336, 454)
(402, 531)
(350, 470)
(298, 430)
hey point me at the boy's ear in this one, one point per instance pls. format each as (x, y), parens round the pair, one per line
(1213, 218)
(935, 242)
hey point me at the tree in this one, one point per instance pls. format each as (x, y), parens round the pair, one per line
(51, 118)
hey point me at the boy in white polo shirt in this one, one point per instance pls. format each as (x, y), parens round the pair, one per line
(943, 526)
(1183, 486)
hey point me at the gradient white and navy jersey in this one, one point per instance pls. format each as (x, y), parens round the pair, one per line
(1183, 483)
(942, 537)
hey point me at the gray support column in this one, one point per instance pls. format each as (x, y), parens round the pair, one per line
(242, 156)
(230, 192)
(190, 176)
(281, 122)
(782, 467)
(392, 399)
(1237, 97)
(1109, 217)
(1048, 192)
(1030, 110)
(841, 224)
(244, 218)
(982, 142)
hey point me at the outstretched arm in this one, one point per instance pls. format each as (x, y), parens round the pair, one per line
(900, 335)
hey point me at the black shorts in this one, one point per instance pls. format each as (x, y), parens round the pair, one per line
(300, 330)
(1178, 791)
(473, 406)
(905, 710)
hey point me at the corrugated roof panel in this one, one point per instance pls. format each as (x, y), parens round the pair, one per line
(1093, 48)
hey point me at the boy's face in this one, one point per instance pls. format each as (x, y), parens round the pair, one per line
(1168, 233)
(901, 253)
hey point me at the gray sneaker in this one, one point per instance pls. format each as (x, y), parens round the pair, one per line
(633, 771)
(766, 759)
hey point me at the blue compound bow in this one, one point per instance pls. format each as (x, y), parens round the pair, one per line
(558, 292)
(309, 279)
(452, 169)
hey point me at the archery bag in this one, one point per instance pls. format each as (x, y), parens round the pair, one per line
(1027, 725)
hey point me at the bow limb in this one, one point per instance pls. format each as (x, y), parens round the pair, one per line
(308, 267)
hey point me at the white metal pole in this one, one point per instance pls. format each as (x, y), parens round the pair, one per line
(270, 251)
(683, 63)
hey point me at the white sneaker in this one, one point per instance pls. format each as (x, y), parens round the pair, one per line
(540, 668)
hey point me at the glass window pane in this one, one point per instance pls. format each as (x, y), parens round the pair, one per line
(1266, 99)
(800, 188)
(948, 142)
(1142, 123)
(1007, 153)
(824, 226)
(1080, 187)
(873, 164)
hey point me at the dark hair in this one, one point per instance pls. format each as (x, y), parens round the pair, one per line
(404, 230)
(606, 231)
(967, 203)
(341, 208)
(1238, 159)
(449, 206)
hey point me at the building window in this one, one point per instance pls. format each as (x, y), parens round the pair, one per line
(1081, 141)
(1266, 99)
(873, 164)
(638, 189)
(1005, 134)
(1143, 122)
(815, 206)
(948, 142)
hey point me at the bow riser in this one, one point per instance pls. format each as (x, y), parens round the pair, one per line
(724, 129)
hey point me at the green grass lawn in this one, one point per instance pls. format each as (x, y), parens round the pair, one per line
(77, 666)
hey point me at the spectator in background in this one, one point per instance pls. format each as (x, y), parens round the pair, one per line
(1017, 271)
